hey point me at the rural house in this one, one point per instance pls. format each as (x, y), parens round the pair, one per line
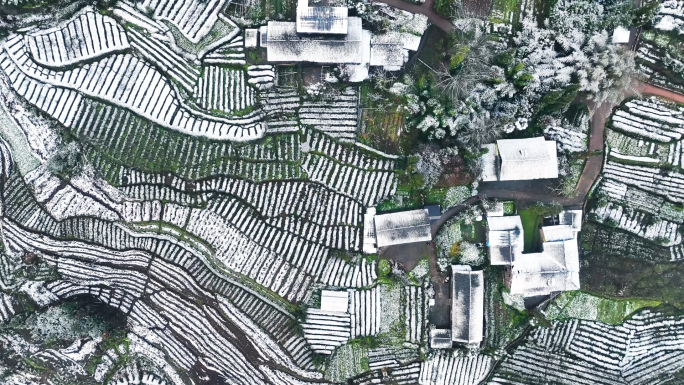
(520, 159)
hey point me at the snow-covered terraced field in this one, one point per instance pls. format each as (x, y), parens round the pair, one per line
(638, 223)
(194, 18)
(444, 368)
(326, 330)
(651, 119)
(366, 312)
(337, 117)
(645, 349)
(224, 89)
(88, 36)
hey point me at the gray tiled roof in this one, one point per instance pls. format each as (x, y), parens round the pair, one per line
(402, 227)
(467, 309)
(286, 45)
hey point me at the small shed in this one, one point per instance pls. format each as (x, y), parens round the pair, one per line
(337, 301)
(621, 35)
(251, 37)
(434, 212)
(572, 218)
(440, 339)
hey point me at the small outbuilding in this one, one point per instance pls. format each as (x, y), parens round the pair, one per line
(435, 212)
(337, 301)
(440, 339)
(251, 37)
(621, 35)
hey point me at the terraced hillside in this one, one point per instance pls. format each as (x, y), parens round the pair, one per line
(204, 204)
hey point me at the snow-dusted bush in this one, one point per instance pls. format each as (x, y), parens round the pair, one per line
(421, 270)
(470, 254)
(431, 161)
(455, 196)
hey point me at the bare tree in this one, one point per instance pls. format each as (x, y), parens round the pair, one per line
(475, 67)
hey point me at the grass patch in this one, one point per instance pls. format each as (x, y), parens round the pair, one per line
(530, 222)
(509, 208)
(587, 306)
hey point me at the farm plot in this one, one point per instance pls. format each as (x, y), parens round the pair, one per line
(639, 223)
(225, 90)
(641, 185)
(231, 53)
(609, 241)
(125, 81)
(643, 350)
(365, 309)
(183, 264)
(659, 55)
(326, 330)
(193, 18)
(88, 36)
(446, 367)
(171, 63)
(337, 116)
(402, 375)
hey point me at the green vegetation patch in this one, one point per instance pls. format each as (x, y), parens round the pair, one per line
(505, 12)
(586, 306)
(504, 323)
(347, 361)
(531, 222)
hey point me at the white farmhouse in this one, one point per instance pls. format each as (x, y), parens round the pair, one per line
(402, 227)
(520, 159)
(467, 307)
(328, 35)
(554, 269)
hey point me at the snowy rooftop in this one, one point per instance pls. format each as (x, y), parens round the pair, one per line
(263, 36)
(554, 269)
(467, 310)
(440, 339)
(524, 159)
(489, 164)
(337, 301)
(571, 218)
(402, 227)
(286, 45)
(621, 35)
(369, 231)
(557, 233)
(505, 239)
(251, 37)
(323, 20)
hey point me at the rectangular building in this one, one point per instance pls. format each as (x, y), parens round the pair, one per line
(467, 308)
(402, 227)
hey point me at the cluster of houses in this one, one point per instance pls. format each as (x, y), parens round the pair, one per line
(328, 35)
(535, 274)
